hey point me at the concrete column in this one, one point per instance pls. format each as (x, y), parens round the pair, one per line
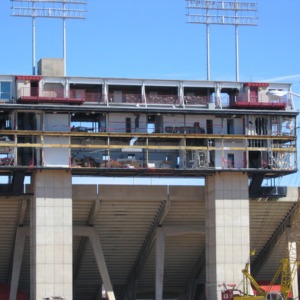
(160, 263)
(227, 231)
(51, 235)
(21, 234)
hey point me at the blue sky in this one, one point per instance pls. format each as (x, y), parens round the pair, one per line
(152, 39)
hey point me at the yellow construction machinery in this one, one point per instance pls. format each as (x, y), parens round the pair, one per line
(287, 271)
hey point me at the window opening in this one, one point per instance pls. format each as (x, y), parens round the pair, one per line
(230, 160)
(261, 126)
(34, 88)
(137, 121)
(128, 125)
(230, 126)
(5, 90)
(209, 126)
(155, 123)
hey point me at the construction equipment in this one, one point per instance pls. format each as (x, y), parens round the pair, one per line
(287, 272)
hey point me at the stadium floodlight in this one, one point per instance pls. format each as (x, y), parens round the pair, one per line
(236, 13)
(59, 9)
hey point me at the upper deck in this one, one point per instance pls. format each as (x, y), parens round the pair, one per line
(127, 127)
(149, 93)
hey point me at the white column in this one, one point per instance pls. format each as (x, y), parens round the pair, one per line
(51, 235)
(292, 246)
(227, 231)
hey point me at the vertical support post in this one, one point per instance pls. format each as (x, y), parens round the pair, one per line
(51, 235)
(292, 248)
(237, 43)
(160, 262)
(94, 239)
(227, 230)
(64, 39)
(17, 261)
(65, 44)
(33, 47)
(144, 98)
(237, 53)
(208, 50)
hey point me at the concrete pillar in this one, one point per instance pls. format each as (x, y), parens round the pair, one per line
(160, 263)
(51, 235)
(21, 234)
(227, 231)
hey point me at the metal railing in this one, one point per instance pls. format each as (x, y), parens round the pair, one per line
(36, 92)
(263, 99)
(163, 99)
(87, 95)
(124, 98)
(196, 100)
(90, 96)
(94, 96)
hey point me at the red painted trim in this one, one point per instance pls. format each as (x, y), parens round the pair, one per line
(32, 77)
(37, 99)
(260, 105)
(258, 84)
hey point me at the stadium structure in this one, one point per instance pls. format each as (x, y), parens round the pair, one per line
(137, 241)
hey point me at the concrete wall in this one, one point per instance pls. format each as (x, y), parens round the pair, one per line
(51, 67)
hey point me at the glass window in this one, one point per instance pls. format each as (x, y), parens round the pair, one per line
(5, 90)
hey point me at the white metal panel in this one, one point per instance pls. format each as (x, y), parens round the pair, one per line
(238, 126)
(56, 156)
(57, 122)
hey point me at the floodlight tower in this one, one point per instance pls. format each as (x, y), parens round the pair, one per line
(59, 9)
(222, 13)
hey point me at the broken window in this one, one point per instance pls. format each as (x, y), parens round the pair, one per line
(261, 126)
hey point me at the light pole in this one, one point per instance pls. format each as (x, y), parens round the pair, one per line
(221, 13)
(59, 9)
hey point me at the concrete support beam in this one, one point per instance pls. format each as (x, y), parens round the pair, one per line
(84, 240)
(227, 230)
(160, 261)
(98, 252)
(51, 238)
(20, 222)
(21, 234)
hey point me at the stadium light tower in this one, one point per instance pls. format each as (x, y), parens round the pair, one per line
(234, 12)
(59, 9)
